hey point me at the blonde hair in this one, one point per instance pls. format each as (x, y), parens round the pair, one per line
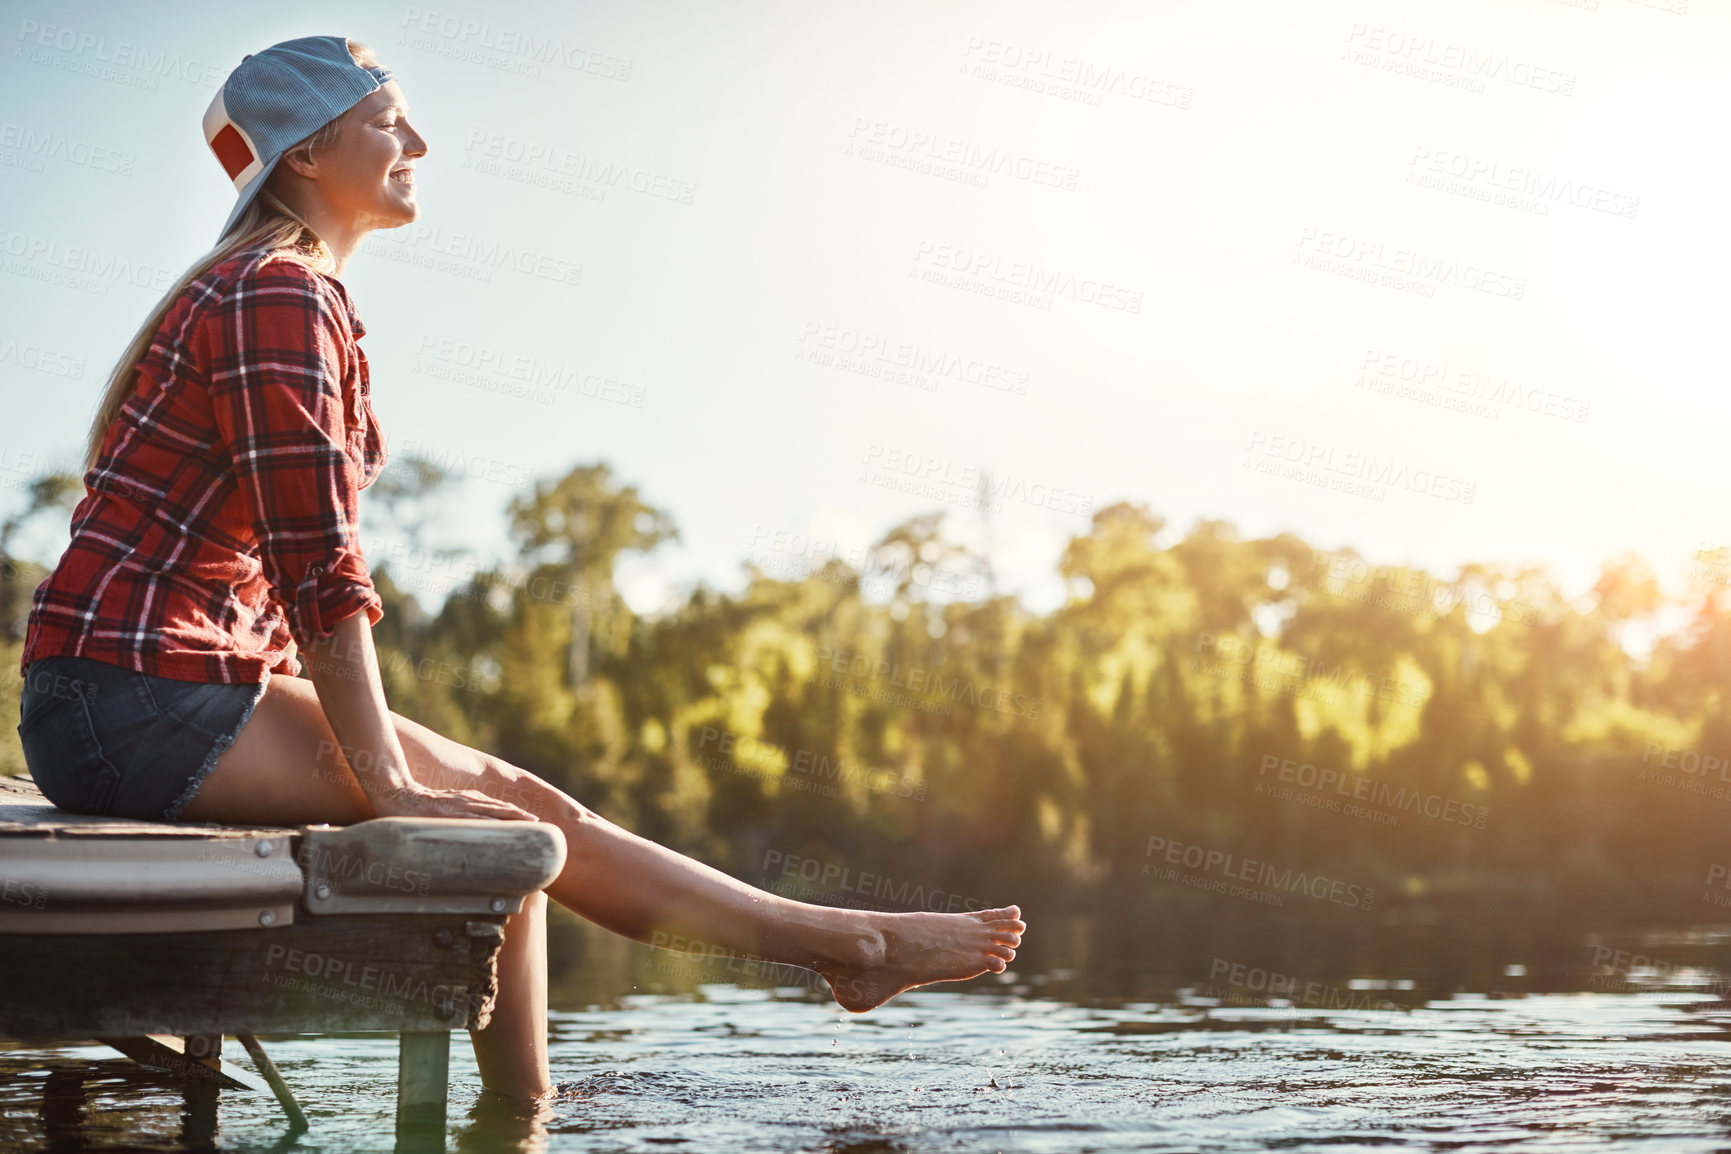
(267, 224)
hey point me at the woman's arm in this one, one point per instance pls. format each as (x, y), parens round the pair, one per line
(282, 366)
(344, 669)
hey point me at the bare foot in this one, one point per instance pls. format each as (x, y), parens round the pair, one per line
(921, 948)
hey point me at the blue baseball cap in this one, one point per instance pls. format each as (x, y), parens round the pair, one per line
(275, 99)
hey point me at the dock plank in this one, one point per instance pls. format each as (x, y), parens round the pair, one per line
(416, 972)
(25, 812)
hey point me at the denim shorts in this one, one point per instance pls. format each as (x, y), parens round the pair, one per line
(105, 740)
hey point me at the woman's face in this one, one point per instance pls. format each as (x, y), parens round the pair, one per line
(365, 176)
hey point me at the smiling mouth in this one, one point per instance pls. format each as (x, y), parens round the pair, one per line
(404, 176)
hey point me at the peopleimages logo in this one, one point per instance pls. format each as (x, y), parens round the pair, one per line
(921, 359)
(531, 372)
(757, 757)
(915, 679)
(1228, 867)
(1540, 188)
(1253, 985)
(928, 472)
(885, 142)
(428, 244)
(986, 266)
(1310, 669)
(464, 36)
(837, 878)
(81, 260)
(801, 556)
(1465, 385)
(87, 53)
(1068, 76)
(40, 144)
(1299, 458)
(1356, 788)
(1367, 258)
(1458, 65)
(489, 150)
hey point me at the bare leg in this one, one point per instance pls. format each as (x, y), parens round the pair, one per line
(511, 1052)
(285, 768)
(669, 900)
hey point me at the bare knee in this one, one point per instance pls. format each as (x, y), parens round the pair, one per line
(446, 764)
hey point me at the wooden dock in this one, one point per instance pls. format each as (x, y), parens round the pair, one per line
(160, 938)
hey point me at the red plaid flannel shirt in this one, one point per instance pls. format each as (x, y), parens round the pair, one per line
(218, 527)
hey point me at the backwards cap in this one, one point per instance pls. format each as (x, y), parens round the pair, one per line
(275, 99)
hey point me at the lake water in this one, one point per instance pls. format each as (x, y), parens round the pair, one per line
(1025, 1064)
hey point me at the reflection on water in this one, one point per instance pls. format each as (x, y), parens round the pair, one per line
(1594, 1043)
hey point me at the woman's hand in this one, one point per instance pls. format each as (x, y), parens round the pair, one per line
(416, 800)
(345, 671)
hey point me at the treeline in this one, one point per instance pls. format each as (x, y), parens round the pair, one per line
(1206, 717)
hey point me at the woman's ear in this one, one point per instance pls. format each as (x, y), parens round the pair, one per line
(300, 161)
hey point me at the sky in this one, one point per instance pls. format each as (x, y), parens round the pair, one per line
(1439, 282)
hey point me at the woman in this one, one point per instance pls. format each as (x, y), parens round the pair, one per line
(216, 545)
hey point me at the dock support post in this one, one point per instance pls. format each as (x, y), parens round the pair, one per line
(284, 1096)
(206, 1048)
(423, 1070)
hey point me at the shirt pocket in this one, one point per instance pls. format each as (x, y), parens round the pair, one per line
(364, 445)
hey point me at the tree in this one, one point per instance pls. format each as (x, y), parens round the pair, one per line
(572, 531)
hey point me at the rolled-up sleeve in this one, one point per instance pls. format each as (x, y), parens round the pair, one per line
(281, 358)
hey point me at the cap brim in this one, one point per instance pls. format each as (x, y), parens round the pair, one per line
(246, 197)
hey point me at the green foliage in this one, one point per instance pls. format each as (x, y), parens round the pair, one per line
(1180, 692)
